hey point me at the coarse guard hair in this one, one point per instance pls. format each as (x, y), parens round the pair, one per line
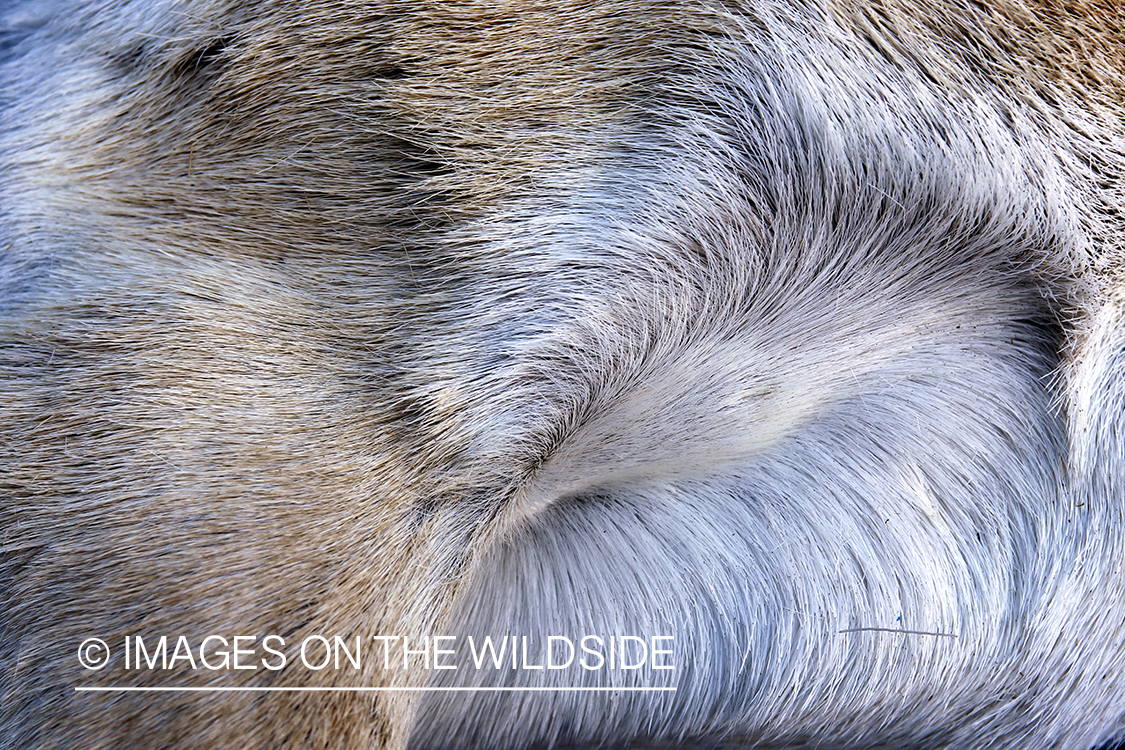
(439, 375)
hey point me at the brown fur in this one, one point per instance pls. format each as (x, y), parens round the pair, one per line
(235, 407)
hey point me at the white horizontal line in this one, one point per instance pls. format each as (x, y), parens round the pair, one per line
(370, 689)
(896, 630)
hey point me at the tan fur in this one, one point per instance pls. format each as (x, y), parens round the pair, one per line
(307, 323)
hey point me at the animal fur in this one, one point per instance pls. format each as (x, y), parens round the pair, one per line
(775, 328)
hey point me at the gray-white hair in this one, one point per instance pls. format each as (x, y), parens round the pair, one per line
(788, 338)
